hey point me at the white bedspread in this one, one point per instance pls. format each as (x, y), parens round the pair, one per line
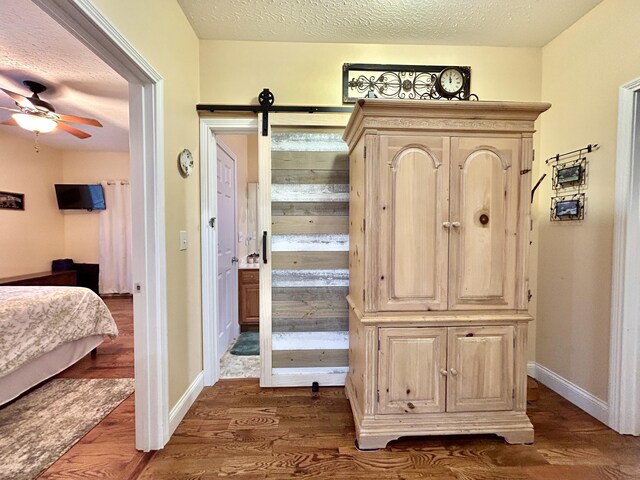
(35, 320)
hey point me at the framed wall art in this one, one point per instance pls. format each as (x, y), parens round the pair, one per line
(567, 207)
(11, 201)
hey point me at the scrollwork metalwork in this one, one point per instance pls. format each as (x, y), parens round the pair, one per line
(411, 82)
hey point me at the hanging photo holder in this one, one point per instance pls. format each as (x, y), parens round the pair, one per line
(569, 179)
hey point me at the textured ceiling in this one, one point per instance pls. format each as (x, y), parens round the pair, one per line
(518, 23)
(35, 47)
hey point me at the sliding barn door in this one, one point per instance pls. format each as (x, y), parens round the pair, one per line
(305, 215)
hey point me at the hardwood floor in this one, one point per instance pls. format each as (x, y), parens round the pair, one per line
(107, 451)
(236, 429)
(239, 430)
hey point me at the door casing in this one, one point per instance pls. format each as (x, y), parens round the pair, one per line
(624, 349)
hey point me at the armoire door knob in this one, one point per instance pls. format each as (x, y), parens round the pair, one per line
(453, 371)
(455, 224)
(446, 224)
(443, 372)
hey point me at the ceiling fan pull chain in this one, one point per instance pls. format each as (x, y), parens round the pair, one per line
(37, 148)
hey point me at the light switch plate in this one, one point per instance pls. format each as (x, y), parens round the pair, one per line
(183, 240)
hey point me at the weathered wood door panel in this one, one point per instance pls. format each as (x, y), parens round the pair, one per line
(308, 256)
(480, 364)
(414, 192)
(410, 364)
(484, 207)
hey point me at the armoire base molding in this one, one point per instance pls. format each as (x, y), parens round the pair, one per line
(376, 431)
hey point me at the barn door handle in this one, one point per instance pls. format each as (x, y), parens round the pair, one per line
(264, 247)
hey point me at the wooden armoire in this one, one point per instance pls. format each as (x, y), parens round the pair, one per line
(439, 222)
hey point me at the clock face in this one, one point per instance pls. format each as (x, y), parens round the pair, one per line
(185, 162)
(450, 81)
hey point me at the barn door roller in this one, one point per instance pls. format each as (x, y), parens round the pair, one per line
(266, 100)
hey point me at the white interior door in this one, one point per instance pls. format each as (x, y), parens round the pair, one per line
(227, 282)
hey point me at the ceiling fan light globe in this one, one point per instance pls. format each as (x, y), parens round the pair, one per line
(34, 123)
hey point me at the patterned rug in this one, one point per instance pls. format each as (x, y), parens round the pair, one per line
(40, 427)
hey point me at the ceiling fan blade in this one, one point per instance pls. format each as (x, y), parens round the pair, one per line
(20, 99)
(11, 109)
(73, 131)
(83, 120)
(11, 122)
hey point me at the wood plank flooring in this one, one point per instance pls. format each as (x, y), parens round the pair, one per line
(108, 450)
(238, 430)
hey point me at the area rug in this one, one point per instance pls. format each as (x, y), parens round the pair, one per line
(248, 343)
(40, 427)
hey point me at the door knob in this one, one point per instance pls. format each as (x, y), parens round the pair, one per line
(443, 372)
(453, 371)
(234, 260)
(446, 224)
(455, 224)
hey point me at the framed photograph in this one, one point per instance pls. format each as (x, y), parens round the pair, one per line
(12, 201)
(567, 208)
(569, 175)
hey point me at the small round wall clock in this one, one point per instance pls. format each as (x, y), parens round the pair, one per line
(185, 163)
(450, 82)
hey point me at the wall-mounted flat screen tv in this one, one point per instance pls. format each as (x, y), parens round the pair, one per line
(80, 197)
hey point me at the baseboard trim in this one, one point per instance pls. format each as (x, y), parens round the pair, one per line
(584, 400)
(181, 408)
(531, 369)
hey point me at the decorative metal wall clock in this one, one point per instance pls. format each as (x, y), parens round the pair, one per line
(409, 82)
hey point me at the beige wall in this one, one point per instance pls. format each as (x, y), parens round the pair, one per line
(82, 228)
(29, 239)
(311, 73)
(252, 159)
(582, 70)
(159, 30)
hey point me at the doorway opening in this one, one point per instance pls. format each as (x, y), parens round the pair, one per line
(221, 139)
(91, 28)
(238, 282)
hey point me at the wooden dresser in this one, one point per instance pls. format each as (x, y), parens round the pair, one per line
(248, 299)
(66, 278)
(438, 262)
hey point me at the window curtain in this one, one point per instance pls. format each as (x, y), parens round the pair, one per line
(115, 238)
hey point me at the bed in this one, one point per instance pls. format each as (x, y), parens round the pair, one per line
(44, 330)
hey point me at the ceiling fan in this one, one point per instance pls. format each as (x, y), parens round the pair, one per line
(36, 115)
